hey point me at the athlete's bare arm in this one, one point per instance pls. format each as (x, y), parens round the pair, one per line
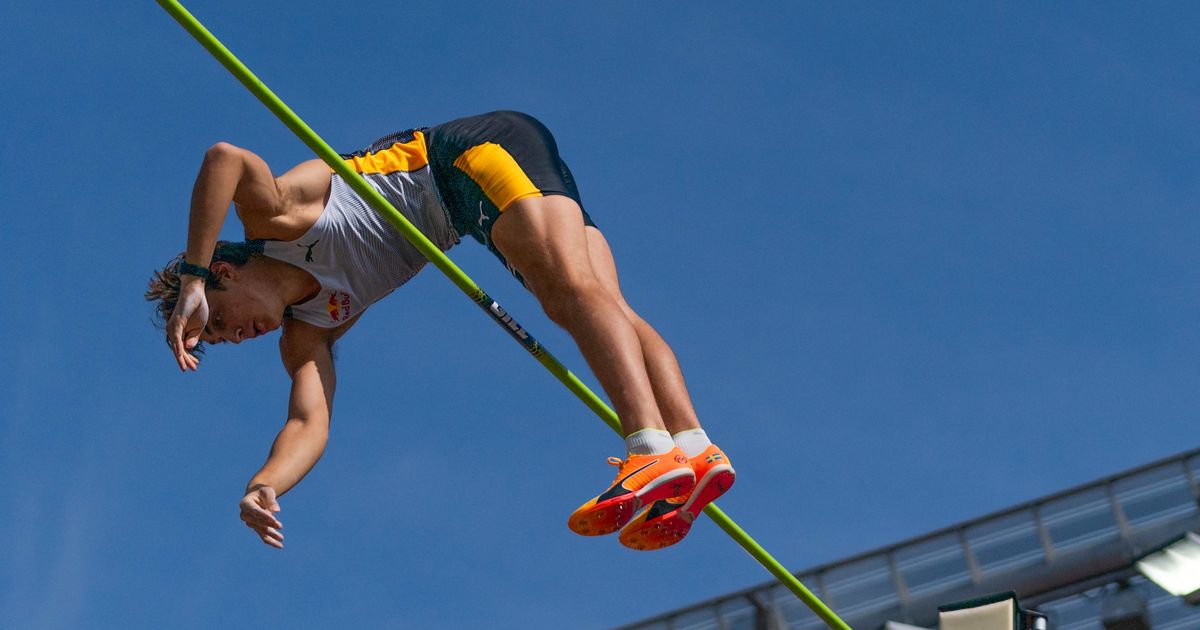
(299, 197)
(228, 174)
(307, 353)
(268, 208)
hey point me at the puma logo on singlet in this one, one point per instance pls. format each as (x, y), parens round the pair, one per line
(482, 216)
(483, 219)
(308, 254)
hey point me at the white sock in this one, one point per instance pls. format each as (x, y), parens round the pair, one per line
(692, 442)
(649, 442)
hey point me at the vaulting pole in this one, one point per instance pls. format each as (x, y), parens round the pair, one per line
(468, 286)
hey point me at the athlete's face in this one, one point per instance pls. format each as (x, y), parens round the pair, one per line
(247, 306)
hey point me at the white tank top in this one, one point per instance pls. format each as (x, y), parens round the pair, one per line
(355, 254)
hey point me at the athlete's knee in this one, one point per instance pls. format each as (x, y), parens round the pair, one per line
(643, 327)
(565, 297)
(630, 314)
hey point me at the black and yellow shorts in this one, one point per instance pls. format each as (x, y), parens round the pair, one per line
(484, 163)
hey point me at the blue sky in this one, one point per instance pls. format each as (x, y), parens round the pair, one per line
(919, 262)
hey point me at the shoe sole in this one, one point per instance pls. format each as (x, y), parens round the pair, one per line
(671, 527)
(717, 481)
(613, 514)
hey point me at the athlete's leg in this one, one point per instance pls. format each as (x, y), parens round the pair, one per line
(667, 521)
(670, 392)
(543, 238)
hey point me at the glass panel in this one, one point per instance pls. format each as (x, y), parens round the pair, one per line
(1080, 520)
(1085, 610)
(861, 586)
(1078, 612)
(1168, 612)
(1006, 543)
(793, 611)
(1158, 495)
(932, 565)
(738, 614)
(699, 619)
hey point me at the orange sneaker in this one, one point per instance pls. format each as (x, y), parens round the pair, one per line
(666, 522)
(641, 480)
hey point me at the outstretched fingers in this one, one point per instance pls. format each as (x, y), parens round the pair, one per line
(175, 341)
(258, 517)
(261, 519)
(269, 535)
(186, 360)
(266, 526)
(186, 321)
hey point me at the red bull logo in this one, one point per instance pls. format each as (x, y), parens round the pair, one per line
(338, 306)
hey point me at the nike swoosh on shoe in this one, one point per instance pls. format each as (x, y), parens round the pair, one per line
(619, 488)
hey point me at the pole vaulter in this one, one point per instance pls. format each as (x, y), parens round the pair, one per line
(468, 286)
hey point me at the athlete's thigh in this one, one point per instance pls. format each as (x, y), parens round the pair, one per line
(543, 238)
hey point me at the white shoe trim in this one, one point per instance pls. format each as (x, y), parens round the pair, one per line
(703, 481)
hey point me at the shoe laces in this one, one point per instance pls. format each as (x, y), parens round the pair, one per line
(619, 463)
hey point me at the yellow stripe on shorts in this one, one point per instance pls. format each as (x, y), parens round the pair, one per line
(408, 156)
(497, 173)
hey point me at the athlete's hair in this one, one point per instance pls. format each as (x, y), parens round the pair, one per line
(164, 283)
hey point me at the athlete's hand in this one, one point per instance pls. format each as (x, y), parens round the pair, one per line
(257, 507)
(187, 321)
